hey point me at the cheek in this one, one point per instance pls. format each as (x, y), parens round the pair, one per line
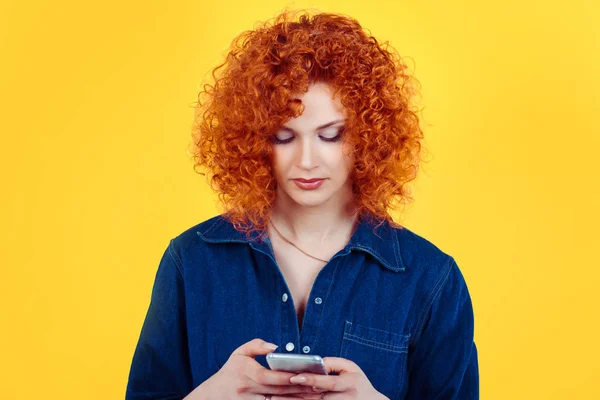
(280, 162)
(342, 164)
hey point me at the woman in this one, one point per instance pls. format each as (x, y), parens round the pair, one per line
(309, 137)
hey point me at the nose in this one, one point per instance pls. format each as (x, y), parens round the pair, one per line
(308, 154)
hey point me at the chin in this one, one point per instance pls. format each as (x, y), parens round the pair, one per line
(309, 198)
(309, 203)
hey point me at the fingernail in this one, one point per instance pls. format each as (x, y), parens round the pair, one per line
(270, 346)
(297, 379)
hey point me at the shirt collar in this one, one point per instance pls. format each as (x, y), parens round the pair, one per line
(380, 242)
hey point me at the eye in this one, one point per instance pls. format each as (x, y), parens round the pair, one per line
(335, 138)
(276, 140)
(331, 135)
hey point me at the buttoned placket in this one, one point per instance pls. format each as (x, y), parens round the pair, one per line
(294, 339)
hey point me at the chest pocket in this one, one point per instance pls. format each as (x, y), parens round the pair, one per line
(380, 354)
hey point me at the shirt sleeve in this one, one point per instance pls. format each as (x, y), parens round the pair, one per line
(160, 368)
(443, 364)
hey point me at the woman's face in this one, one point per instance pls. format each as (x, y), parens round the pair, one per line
(310, 146)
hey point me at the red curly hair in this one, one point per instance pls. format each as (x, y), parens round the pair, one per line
(254, 95)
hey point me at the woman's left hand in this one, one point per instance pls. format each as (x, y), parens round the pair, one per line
(351, 383)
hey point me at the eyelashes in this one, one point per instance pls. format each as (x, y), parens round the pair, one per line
(330, 140)
(334, 139)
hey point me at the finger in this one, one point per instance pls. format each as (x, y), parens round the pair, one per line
(284, 390)
(288, 397)
(255, 347)
(332, 383)
(305, 396)
(338, 364)
(264, 376)
(311, 396)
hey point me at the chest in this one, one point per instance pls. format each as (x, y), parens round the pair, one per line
(299, 272)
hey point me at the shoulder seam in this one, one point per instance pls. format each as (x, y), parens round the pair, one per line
(435, 293)
(175, 257)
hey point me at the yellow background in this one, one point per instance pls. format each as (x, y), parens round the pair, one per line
(96, 114)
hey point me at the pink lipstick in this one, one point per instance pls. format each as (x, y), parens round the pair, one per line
(309, 184)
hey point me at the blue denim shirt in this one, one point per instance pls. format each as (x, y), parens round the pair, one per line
(390, 301)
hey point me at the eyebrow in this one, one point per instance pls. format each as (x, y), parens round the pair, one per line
(285, 128)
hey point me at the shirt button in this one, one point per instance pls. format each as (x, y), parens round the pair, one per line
(289, 346)
(318, 300)
(284, 297)
(306, 349)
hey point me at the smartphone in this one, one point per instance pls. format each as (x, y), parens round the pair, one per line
(296, 363)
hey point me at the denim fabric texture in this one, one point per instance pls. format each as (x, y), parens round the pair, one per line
(390, 301)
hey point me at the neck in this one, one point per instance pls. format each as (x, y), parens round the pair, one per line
(329, 222)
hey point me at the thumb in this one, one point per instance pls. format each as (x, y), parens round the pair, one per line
(337, 364)
(255, 347)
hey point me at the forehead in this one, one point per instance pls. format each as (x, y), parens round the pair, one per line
(319, 108)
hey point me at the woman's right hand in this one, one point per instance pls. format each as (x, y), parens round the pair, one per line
(242, 377)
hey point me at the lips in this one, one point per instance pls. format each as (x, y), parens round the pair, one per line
(309, 184)
(309, 180)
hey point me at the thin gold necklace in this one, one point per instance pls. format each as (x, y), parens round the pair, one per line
(290, 242)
